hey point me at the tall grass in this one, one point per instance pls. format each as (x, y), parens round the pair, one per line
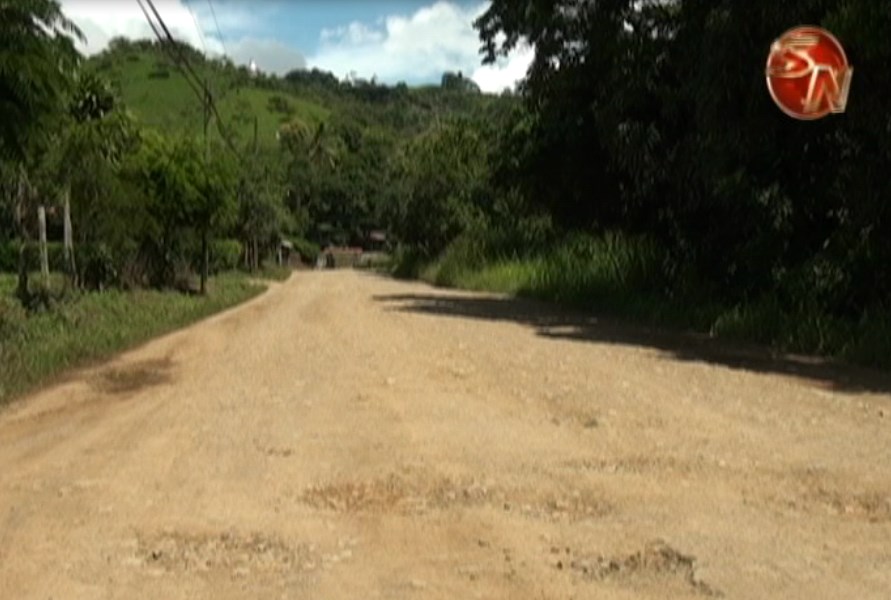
(624, 276)
(273, 272)
(581, 270)
(37, 346)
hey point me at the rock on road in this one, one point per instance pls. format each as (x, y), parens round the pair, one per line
(349, 436)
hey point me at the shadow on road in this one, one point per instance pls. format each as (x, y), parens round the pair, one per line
(559, 323)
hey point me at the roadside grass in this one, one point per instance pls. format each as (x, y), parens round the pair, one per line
(273, 272)
(85, 327)
(621, 277)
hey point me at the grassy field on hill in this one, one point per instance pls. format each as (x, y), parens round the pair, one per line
(155, 91)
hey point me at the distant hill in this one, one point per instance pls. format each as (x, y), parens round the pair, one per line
(153, 88)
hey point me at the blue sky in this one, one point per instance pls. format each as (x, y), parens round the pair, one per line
(393, 40)
(302, 22)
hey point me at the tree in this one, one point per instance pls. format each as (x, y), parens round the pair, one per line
(653, 117)
(215, 205)
(441, 173)
(262, 216)
(37, 58)
(187, 200)
(457, 82)
(310, 156)
(84, 160)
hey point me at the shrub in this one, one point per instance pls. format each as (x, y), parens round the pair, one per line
(407, 263)
(583, 269)
(97, 267)
(225, 255)
(872, 345)
(12, 318)
(280, 104)
(9, 256)
(308, 251)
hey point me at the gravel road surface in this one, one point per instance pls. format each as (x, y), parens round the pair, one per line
(349, 436)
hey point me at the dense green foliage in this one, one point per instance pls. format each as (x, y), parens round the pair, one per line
(36, 55)
(649, 173)
(653, 117)
(303, 157)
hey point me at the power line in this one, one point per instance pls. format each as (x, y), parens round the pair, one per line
(217, 24)
(157, 33)
(198, 86)
(222, 39)
(198, 28)
(183, 60)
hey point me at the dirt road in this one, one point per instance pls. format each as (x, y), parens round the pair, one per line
(348, 436)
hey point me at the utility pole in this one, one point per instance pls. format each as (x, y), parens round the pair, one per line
(23, 191)
(44, 258)
(206, 121)
(204, 227)
(68, 237)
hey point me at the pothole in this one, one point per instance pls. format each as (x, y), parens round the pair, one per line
(134, 377)
(657, 560)
(376, 495)
(413, 493)
(820, 491)
(236, 554)
(871, 506)
(637, 465)
(396, 493)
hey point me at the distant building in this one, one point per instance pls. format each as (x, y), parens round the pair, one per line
(377, 241)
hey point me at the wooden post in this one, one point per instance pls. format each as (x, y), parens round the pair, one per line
(68, 238)
(44, 257)
(21, 215)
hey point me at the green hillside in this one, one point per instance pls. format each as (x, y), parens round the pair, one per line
(155, 91)
(152, 87)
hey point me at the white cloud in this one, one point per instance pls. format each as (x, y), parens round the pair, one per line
(354, 33)
(102, 20)
(416, 47)
(422, 46)
(272, 56)
(506, 72)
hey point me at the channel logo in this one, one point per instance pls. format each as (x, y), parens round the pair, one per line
(808, 74)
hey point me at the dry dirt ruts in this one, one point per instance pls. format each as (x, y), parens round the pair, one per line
(349, 436)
